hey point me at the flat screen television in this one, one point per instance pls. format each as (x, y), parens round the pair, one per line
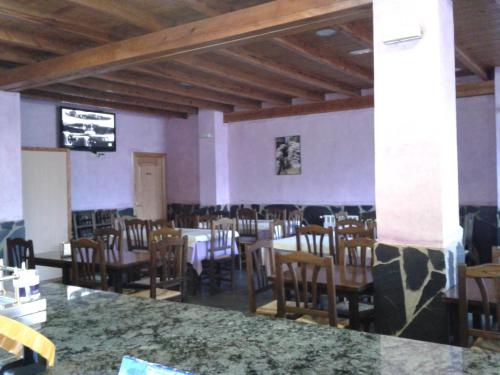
(87, 130)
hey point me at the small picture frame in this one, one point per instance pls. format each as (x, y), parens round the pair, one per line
(288, 155)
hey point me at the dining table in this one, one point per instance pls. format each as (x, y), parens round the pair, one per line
(93, 330)
(451, 301)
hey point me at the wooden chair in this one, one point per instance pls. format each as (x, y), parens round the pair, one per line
(357, 249)
(275, 213)
(221, 253)
(163, 233)
(203, 221)
(168, 255)
(276, 229)
(247, 228)
(488, 338)
(258, 269)
(112, 242)
(315, 240)
(348, 223)
(160, 223)
(303, 272)
(137, 231)
(88, 260)
(295, 219)
(350, 233)
(19, 251)
(185, 221)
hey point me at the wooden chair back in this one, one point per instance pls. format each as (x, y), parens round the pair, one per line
(88, 259)
(222, 237)
(348, 223)
(487, 278)
(137, 231)
(169, 255)
(112, 242)
(163, 233)
(160, 223)
(185, 221)
(295, 219)
(356, 250)
(276, 229)
(275, 213)
(302, 275)
(19, 251)
(315, 237)
(203, 221)
(246, 222)
(259, 266)
(350, 233)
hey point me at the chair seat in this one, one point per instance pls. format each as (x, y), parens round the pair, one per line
(161, 294)
(308, 319)
(271, 308)
(365, 309)
(482, 344)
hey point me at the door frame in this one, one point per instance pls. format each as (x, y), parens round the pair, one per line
(68, 179)
(162, 158)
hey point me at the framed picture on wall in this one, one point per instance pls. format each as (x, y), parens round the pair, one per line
(288, 159)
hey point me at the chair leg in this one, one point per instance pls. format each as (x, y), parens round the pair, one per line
(212, 277)
(232, 273)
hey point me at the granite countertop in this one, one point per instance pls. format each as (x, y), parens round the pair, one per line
(94, 330)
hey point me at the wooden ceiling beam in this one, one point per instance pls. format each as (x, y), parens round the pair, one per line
(156, 83)
(269, 85)
(361, 35)
(287, 72)
(35, 41)
(20, 12)
(65, 89)
(121, 10)
(215, 84)
(265, 20)
(470, 63)
(136, 91)
(18, 55)
(335, 63)
(39, 94)
(463, 90)
(301, 109)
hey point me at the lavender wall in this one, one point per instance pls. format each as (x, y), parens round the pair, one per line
(337, 160)
(104, 182)
(11, 201)
(476, 151)
(338, 157)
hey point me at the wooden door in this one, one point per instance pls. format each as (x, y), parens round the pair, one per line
(46, 201)
(149, 176)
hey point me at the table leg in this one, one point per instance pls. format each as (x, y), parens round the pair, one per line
(117, 277)
(453, 325)
(66, 276)
(354, 310)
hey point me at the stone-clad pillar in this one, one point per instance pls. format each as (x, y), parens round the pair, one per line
(416, 173)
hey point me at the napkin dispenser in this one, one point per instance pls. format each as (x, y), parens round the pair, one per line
(66, 249)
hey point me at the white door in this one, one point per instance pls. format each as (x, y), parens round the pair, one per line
(149, 171)
(46, 204)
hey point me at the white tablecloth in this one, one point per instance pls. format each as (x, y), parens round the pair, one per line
(198, 245)
(290, 243)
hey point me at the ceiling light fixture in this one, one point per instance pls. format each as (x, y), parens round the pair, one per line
(185, 84)
(363, 51)
(326, 32)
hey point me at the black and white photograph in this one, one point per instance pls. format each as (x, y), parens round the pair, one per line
(288, 160)
(87, 130)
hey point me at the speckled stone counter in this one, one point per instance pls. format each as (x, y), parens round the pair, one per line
(94, 330)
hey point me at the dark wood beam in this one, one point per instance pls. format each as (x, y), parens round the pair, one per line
(301, 109)
(265, 20)
(151, 81)
(65, 89)
(470, 63)
(20, 56)
(135, 91)
(318, 56)
(252, 80)
(20, 12)
(215, 84)
(35, 41)
(39, 94)
(476, 89)
(358, 33)
(289, 73)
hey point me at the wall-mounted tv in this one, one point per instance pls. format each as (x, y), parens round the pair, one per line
(87, 130)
